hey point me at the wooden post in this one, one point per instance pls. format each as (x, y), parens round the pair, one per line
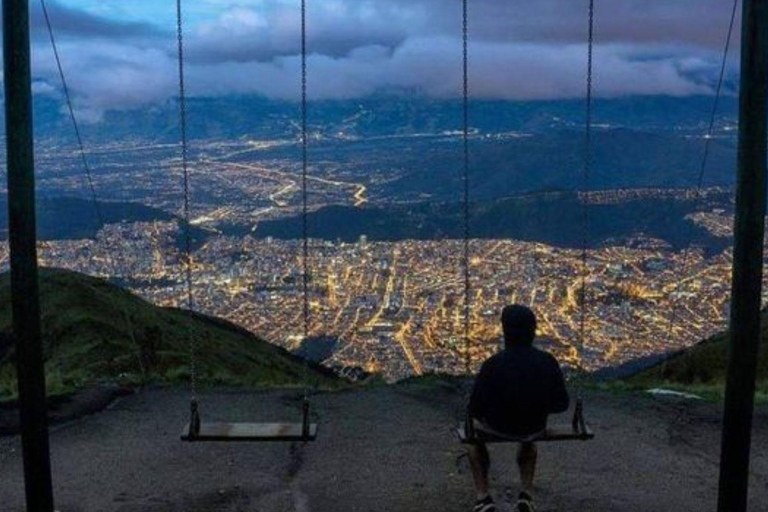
(23, 241)
(747, 260)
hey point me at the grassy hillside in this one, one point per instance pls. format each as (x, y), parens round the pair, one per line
(94, 331)
(702, 368)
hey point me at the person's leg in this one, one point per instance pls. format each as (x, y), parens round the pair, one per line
(480, 462)
(526, 461)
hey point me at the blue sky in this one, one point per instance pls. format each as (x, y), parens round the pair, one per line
(136, 10)
(159, 12)
(121, 54)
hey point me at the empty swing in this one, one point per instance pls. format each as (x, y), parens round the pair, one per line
(197, 430)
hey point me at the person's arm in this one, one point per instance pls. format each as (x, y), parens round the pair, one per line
(558, 397)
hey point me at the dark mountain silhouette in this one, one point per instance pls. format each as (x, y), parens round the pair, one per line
(95, 332)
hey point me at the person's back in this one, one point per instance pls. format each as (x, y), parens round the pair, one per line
(517, 389)
(514, 393)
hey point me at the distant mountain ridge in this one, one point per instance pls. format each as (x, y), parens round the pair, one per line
(407, 149)
(381, 115)
(515, 147)
(554, 218)
(74, 218)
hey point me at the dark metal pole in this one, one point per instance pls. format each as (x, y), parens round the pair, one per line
(747, 260)
(23, 241)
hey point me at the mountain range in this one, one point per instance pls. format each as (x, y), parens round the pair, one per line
(383, 115)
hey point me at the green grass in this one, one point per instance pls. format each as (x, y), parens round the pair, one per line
(714, 392)
(96, 332)
(700, 370)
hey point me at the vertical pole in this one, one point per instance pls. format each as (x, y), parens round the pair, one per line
(747, 260)
(22, 238)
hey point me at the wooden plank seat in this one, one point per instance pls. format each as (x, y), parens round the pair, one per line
(196, 430)
(253, 432)
(556, 433)
(475, 432)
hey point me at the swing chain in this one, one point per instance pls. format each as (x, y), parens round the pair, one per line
(186, 220)
(585, 186)
(194, 419)
(466, 232)
(71, 110)
(304, 204)
(111, 261)
(698, 195)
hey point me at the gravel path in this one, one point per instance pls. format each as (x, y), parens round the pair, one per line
(379, 449)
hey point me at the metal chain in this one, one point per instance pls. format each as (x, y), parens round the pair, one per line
(304, 191)
(185, 171)
(587, 172)
(465, 133)
(698, 195)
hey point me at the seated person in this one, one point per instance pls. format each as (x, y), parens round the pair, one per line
(514, 393)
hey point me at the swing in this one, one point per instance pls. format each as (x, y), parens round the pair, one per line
(471, 430)
(197, 430)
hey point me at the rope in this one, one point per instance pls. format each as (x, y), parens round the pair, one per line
(698, 196)
(89, 176)
(185, 171)
(304, 193)
(587, 172)
(466, 233)
(72, 116)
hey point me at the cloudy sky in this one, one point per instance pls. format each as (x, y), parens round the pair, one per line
(121, 54)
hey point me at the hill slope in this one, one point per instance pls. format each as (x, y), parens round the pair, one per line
(554, 219)
(94, 331)
(704, 364)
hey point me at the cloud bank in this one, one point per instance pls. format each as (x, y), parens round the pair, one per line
(519, 50)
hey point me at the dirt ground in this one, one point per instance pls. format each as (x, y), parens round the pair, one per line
(379, 449)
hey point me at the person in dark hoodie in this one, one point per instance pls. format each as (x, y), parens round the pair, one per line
(513, 394)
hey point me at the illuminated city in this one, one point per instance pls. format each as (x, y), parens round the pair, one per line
(395, 307)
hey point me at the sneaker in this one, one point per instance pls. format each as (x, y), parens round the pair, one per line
(525, 503)
(485, 505)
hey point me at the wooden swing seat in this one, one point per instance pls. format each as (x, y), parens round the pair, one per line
(556, 433)
(253, 432)
(476, 432)
(197, 431)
